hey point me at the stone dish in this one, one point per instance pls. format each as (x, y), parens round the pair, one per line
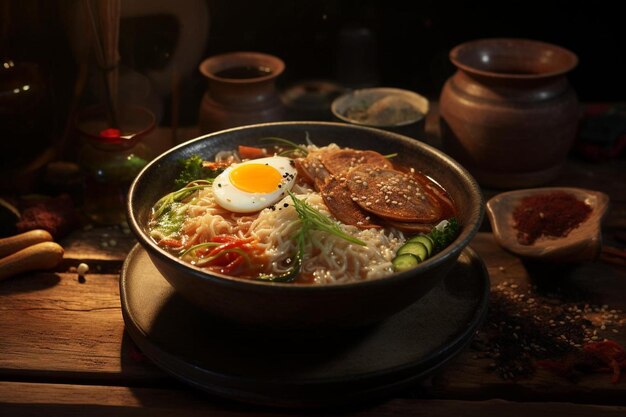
(581, 244)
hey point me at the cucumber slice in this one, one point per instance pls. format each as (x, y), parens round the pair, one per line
(405, 261)
(415, 248)
(424, 240)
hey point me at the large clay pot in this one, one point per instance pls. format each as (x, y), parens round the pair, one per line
(241, 90)
(509, 114)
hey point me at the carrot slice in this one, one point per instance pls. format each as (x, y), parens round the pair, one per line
(170, 242)
(250, 152)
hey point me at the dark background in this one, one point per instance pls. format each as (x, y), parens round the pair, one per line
(398, 43)
(414, 37)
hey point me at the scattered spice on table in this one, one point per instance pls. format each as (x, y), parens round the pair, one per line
(525, 330)
(606, 356)
(553, 214)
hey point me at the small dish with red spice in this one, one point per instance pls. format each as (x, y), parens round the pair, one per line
(560, 224)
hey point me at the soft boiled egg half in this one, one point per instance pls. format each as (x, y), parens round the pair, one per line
(254, 185)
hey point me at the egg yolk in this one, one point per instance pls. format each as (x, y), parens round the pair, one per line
(255, 178)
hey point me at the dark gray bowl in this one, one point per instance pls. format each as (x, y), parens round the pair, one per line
(301, 306)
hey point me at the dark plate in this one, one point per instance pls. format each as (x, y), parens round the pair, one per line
(282, 369)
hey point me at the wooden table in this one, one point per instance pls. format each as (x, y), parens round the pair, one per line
(64, 351)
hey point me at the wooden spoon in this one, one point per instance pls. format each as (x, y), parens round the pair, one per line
(581, 244)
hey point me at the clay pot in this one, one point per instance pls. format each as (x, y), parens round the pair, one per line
(241, 90)
(509, 114)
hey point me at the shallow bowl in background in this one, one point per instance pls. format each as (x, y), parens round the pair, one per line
(389, 109)
(582, 244)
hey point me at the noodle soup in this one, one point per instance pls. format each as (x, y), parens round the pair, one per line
(298, 213)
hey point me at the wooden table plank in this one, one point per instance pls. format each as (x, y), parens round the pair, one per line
(111, 243)
(56, 328)
(28, 399)
(468, 377)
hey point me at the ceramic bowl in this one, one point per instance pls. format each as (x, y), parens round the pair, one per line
(392, 109)
(581, 244)
(508, 113)
(300, 306)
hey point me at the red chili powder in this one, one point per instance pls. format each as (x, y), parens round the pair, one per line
(552, 214)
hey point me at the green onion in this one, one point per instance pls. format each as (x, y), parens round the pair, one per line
(166, 201)
(310, 219)
(198, 246)
(293, 147)
(204, 261)
(169, 212)
(314, 220)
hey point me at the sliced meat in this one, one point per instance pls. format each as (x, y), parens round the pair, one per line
(337, 197)
(447, 206)
(312, 169)
(392, 195)
(303, 171)
(342, 160)
(411, 228)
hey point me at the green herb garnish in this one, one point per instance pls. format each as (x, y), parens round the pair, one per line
(443, 234)
(171, 219)
(310, 219)
(192, 169)
(169, 213)
(293, 149)
(162, 205)
(198, 246)
(204, 261)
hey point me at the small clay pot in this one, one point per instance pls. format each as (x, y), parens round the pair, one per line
(509, 114)
(241, 90)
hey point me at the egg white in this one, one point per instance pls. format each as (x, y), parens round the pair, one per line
(228, 196)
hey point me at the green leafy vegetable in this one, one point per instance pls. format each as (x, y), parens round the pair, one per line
(192, 169)
(171, 219)
(166, 201)
(169, 213)
(443, 234)
(310, 219)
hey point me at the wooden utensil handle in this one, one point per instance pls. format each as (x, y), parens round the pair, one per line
(44, 255)
(9, 245)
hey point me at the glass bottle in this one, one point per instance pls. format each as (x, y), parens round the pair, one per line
(110, 159)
